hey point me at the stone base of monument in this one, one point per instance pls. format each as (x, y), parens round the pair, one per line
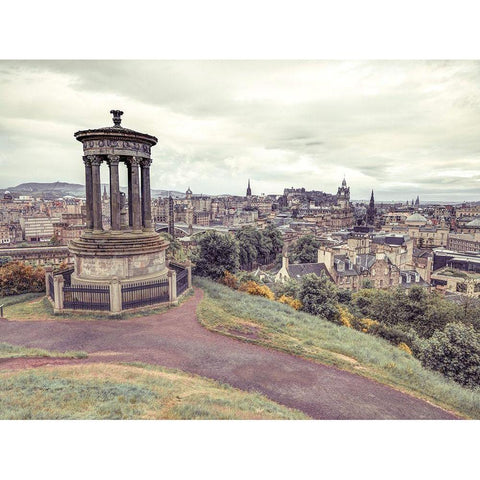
(118, 272)
(126, 256)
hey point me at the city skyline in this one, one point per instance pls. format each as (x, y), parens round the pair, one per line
(401, 128)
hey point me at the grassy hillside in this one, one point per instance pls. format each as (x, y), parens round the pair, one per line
(109, 391)
(269, 323)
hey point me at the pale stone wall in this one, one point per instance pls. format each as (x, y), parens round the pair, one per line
(127, 267)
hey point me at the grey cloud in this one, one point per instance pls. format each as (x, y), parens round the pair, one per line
(389, 125)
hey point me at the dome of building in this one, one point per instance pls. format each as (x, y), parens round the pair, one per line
(416, 219)
(474, 223)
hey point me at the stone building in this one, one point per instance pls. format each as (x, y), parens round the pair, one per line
(37, 228)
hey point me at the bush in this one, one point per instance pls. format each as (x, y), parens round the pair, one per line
(18, 277)
(455, 352)
(229, 280)
(292, 302)
(319, 297)
(253, 288)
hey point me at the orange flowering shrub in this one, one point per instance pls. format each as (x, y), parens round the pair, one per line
(292, 302)
(403, 346)
(230, 280)
(346, 318)
(254, 288)
(18, 277)
(364, 324)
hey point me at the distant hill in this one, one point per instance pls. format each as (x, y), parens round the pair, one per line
(62, 189)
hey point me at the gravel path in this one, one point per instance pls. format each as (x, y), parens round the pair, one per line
(175, 339)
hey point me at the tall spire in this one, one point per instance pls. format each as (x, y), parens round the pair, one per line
(249, 190)
(371, 211)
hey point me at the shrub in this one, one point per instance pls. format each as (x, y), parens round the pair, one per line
(455, 352)
(345, 317)
(364, 324)
(292, 302)
(229, 280)
(253, 288)
(403, 346)
(319, 297)
(18, 277)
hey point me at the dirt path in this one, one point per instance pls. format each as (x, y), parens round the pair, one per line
(175, 339)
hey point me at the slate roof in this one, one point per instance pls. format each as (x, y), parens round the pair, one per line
(298, 270)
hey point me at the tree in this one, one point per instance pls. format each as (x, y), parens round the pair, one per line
(276, 240)
(319, 296)
(175, 248)
(306, 249)
(455, 353)
(249, 239)
(217, 253)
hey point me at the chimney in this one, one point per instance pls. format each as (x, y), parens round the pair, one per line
(285, 261)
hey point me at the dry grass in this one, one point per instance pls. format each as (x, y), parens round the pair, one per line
(130, 391)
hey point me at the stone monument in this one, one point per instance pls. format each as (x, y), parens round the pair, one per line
(130, 250)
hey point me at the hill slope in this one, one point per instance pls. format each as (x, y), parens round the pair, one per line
(272, 324)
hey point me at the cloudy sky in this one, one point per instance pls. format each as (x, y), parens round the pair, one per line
(403, 128)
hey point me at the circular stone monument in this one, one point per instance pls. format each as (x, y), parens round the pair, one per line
(130, 250)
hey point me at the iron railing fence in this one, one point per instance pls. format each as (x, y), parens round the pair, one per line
(182, 281)
(140, 294)
(51, 287)
(86, 297)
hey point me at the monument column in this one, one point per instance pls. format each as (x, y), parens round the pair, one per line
(146, 195)
(114, 193)
(136, 203)
(129, 194)
(97, 194)
(88, 191)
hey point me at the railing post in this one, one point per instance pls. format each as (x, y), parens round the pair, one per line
(189, 270)
(48, 272)
(58, 289)
(115, 296)
(172, 286)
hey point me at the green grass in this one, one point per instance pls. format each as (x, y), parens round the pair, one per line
(128, 391)
(39, 307)
(16, 351)
(24, 297)
(269, 323)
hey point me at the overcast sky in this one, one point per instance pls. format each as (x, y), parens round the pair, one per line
(401, 128)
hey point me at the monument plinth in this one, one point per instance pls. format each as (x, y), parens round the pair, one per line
(129, 250)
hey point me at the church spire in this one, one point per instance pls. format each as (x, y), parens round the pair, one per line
(371, 211)
(249, 190)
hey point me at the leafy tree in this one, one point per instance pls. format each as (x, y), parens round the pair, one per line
(319, 296)
(306, 249)
(18, 277)
(276, 240)
(216, 254)
(258, 245)
(455, 353)
(249, 239)
(175, 249)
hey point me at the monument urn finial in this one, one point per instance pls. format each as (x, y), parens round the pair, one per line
(117, 117)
